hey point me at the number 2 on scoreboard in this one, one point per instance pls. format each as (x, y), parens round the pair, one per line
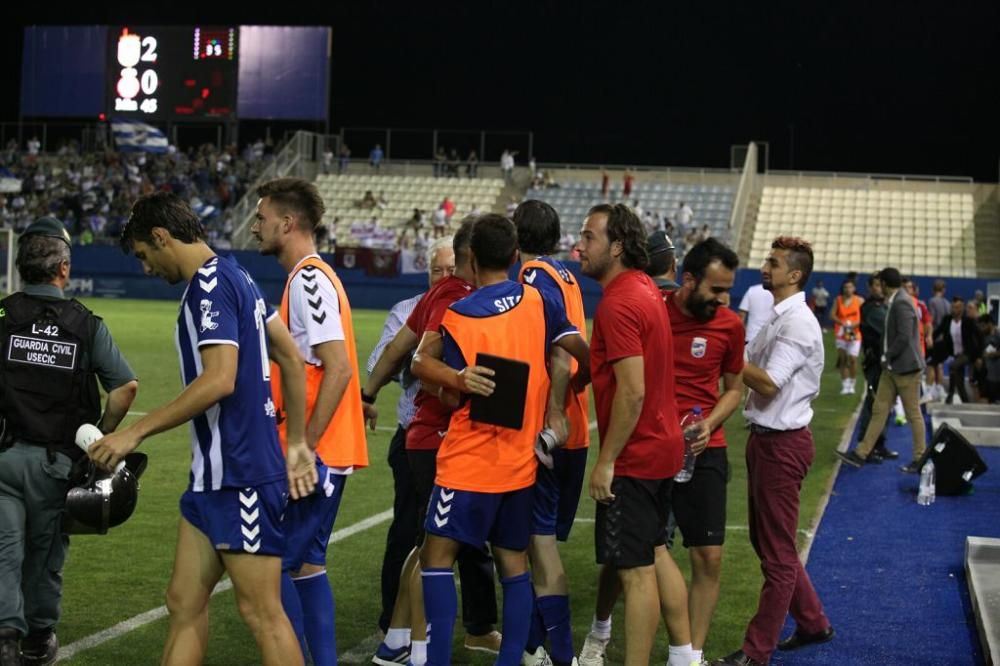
(149, 43)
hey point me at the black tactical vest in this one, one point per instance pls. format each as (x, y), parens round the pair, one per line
(47, 385)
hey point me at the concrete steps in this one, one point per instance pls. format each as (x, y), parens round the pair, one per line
(982, 572)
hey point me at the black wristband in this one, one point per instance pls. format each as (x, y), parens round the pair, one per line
(367, 399)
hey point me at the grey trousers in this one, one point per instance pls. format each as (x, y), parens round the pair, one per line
(32, 545)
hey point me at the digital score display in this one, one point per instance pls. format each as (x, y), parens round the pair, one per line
(172, 73)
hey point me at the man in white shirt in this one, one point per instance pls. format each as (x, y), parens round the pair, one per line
(440, 222)
(317, 312)
(783, 369)
(755, 309)
(821, 299)
(507, 166)
(402, 532)
(683, 215)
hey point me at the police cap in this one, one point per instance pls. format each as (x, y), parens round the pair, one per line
(48, 226)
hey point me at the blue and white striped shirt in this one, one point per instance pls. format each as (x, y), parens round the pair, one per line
(398, 315)
(234, 443)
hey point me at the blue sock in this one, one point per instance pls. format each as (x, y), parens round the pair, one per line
(554, 610)
(536, 634)
(319, 613)
(517, 594)
(440, 609)
(293, 609)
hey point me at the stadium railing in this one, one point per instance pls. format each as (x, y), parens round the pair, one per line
(872, 177)
(297, 158)
(748, 183)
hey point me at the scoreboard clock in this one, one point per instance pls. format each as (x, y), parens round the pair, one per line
(172, 72)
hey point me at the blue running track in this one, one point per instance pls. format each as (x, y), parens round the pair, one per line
(891, 573)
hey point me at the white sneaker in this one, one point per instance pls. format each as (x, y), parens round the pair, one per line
(539, 658)
(592, 653)
(844, 390)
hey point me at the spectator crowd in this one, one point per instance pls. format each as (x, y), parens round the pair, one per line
(91, 192)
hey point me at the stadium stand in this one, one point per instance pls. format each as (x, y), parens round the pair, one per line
(395, 198)
(712, 204)
(923, 232)
(92, 192)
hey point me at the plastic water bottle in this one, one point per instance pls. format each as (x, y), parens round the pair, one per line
(545, 444)
(691, 427)
(926, 495)
(86, 435)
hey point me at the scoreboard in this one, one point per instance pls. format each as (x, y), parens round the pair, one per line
(172, 72)
(166, 74)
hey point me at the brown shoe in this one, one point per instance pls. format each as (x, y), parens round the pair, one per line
(737, 658)
(486, 643)
(800, 640)
(851, 458)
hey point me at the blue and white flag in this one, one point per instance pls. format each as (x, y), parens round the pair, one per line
(9, 183)
(135, 137)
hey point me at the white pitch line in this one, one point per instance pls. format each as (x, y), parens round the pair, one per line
(845, 443)
(362, 652)
(137, 413)
(155, 614)
(736, 528)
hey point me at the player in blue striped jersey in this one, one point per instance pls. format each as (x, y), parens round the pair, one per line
(239, 483)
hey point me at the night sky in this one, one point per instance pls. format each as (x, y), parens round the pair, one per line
(898, 87)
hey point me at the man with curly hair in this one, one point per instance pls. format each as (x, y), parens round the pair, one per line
(632, 364)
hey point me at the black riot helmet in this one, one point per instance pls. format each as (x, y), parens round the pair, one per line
(104, 500)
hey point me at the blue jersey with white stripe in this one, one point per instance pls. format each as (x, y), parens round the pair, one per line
(495, 299)
(234, 443)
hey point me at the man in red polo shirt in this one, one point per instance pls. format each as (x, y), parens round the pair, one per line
(708, 346)
(423, 438)
(641, 444)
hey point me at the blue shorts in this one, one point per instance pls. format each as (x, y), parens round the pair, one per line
(502, 519)
(308, 522)
(557, 493)
(241, 520)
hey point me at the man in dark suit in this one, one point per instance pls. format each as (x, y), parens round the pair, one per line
(902, 366)
(873, 312)
(958, 337)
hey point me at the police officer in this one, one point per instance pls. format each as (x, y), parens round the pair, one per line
(54, 351)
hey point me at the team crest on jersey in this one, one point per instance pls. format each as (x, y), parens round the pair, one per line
(207, 316)
(698, 347)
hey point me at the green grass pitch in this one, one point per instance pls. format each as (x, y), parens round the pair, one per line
(114, 578)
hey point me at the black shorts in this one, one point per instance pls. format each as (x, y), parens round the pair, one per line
(423, 469)
(700, 504)
(627, 529)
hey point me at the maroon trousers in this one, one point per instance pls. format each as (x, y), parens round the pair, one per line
(777, 462)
